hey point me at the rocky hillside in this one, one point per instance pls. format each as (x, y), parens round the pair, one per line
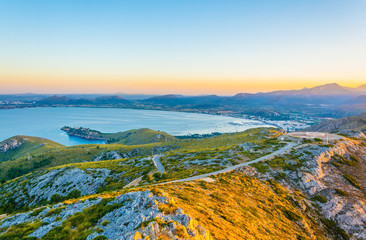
(332, 180)
(346, 125)
(19, 146)
(314, 190)
(142, 214)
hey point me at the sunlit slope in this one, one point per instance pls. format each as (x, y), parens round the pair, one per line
(237, 206)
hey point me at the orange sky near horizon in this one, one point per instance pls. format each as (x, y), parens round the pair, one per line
(137, 85)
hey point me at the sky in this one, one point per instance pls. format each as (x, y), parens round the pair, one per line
(187, 47)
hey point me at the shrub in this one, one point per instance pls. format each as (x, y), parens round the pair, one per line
(105, 222)
(320, 198)
(353, 181)
(54, 211)
(341, 192)
(261, 168)
(100, 237)
(150, 177)
(36, 212)
(290, 215)
(280, 176)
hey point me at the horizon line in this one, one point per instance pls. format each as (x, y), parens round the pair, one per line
(162, 94)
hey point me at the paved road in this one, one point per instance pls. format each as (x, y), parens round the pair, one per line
(157, 163)
(281, 151)
(311, 135)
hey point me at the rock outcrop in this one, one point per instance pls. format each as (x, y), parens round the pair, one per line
(53, 185)
(324, 180)
(10, 144)
(132, 216)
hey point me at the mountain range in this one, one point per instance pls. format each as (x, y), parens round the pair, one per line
(325, 101)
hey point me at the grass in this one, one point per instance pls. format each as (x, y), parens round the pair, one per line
(80, 225)
(183, 158)
(49, 158)
(20, 231)
(131, 137)
(200, 156)
(53, 154)
(238, 205)
(261, 168)
(30, 146)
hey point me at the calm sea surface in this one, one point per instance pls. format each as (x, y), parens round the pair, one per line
(46, 122)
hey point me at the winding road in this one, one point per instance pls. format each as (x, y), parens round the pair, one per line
(157, 163)
(281, 151)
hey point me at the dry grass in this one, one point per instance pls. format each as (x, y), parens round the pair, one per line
(240, 207)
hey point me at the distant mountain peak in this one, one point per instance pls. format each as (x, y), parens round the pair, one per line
(242, 95)
(329, 86)
(168, 96)
(361, 87)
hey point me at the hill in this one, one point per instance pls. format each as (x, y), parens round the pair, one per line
(131, 137)
(345, 125)
(19, 146)
(274, 189)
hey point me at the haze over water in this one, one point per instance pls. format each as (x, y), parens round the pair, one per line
(46, 122)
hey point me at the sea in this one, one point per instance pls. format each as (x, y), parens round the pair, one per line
(46, 122)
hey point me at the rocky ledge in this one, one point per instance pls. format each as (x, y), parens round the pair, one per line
(10, 144)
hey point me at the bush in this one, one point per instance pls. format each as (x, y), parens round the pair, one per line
(290, 215)
(58, 198)
(54, 211)
(260, 167)
(105, 223)
(100, 237)
(36, 212)
(320, 198)
(150, 177)
(341, 192)
(280, 176)
(353, 181)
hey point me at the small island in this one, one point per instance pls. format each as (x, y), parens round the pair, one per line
(86, 133)
(131, 137)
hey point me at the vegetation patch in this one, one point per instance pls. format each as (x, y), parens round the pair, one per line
(320, 198)
(239, 205)
(80, 225)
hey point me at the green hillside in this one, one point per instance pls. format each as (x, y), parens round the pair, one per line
(131, 137)
(245, 185)
(138, 136)
(183, 150)
(19, 146)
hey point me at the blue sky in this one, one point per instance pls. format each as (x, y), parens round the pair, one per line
(255, 45)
